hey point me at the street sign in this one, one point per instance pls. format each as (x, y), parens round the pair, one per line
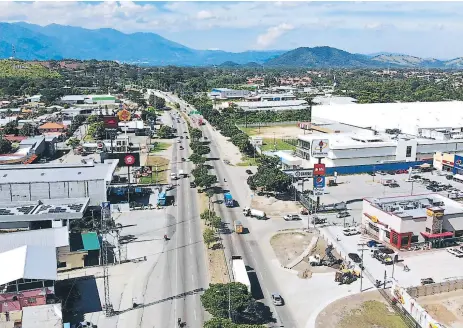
(110, 122)
(318, 191)
(319, 182)
(319, 169)
(306, 173)
(320, 148)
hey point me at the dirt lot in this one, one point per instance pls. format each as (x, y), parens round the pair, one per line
(274, 207)
(365, 310)
(277, 131)
(447, 308)
(287, 246)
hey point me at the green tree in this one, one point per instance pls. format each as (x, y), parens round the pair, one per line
(93, 119)
(11, 128)
(5, 146)
(206, 181)
(215, 299)
(208, 236)
(227, 323)
(207, 215)
(28, 130)
(196, 134)
(165, 132)
(216, 222)
(73, 142)
(199, 148)
(197, 159)
(96, 130)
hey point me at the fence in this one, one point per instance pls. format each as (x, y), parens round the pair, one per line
(437, 288)
(263, 124)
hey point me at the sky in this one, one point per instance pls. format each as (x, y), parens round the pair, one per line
(424, 29)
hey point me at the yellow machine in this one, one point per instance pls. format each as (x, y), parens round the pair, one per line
(238, 227)
(346, 276)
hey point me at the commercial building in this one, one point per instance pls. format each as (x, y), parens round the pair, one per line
(272, 105)
(271, 97)
(56, 181)
(88, 99)
(408, 118)
(401, 221)
(225, 93)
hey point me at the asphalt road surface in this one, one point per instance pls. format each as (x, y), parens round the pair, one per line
(182, 266)
(246, 245)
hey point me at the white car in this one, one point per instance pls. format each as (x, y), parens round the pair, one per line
(350, 231)
(455, 252)
(291, 217)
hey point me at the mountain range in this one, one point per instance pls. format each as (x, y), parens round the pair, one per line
(34, 42)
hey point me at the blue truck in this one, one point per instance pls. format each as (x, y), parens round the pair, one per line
(228, 200)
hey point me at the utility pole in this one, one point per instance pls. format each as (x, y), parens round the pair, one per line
(361, 264)
(105, 215)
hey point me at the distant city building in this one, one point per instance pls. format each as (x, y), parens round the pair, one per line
(225, 93)
(271, 97)
(280, 105)
(88, 99)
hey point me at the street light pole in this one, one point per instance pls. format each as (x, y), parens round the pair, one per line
(361, 266)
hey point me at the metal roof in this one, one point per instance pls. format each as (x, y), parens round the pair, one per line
(57, 172)
(90, 241)
(28, 262)
(42, 316)
(54, 237)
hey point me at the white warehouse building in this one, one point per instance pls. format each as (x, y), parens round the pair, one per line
(369, 137)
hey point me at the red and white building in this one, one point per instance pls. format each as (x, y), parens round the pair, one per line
(401, 221)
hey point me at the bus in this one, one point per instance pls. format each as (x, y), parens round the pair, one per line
(162, 199)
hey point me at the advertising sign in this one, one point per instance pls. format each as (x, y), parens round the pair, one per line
(320, 148)
(125, 159)
(124, 115)
(106, 210)
(300, 173)
(318, 191)
(319, 182)
(319, 169)
(458, 164)
(110, 122)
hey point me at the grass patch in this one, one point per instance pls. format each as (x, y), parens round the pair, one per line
(159, 146)
(255, 130)
(248, 161)
(372, 314)
(279, 144)
(162, 164)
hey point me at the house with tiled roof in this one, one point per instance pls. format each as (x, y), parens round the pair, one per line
(52, 127)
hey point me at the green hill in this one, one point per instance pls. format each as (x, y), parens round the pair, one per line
(16, 68)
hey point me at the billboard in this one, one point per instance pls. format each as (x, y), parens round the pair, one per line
(124, 115)
(125, 159)
(320, 148)
(458, 166)
(319, 182)
(319, 169)
(110, 122)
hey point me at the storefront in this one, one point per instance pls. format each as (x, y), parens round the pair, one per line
(444, 162)
(400, 240)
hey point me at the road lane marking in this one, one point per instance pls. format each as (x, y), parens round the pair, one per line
(194, 312)
(192, 278)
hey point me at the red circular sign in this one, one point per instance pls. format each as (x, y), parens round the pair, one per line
(129, 160)
(319, 179)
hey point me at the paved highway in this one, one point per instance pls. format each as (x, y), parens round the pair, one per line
(262, 280)
(182, 266)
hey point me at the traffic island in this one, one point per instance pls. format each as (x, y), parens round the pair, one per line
(215, 255)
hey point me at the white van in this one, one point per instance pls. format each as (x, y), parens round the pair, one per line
(173, 176)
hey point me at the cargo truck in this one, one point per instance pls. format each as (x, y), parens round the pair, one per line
(260, 215)
(238, 227)
(239, 271)
(228, 200)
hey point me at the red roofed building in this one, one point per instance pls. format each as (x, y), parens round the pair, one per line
(52, 127)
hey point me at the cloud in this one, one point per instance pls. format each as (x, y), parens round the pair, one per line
(272, 34)
(204, 14)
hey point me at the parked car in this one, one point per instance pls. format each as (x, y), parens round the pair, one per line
(427, 281)
(350, 232)
(277, 299)
(342, 214)
(355, 257)
(291, 217)
(381, 172)
(394, 185)
(372, 174)
(449, 177)
(248, 171)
